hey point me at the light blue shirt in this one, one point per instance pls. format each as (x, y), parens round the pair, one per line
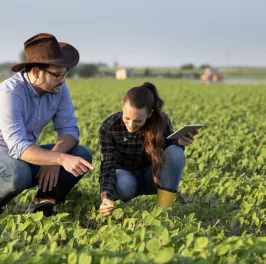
(24, 113)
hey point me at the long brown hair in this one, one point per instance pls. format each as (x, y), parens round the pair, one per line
(147, 96)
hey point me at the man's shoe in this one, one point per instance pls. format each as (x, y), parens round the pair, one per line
(44, 205)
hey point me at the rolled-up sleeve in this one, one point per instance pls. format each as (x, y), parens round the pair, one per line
(64, 120)
(11, 124)
(107, 177)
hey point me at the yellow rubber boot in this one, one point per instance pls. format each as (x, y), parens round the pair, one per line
(165, 199)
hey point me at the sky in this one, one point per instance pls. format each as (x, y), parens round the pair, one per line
(142, 33)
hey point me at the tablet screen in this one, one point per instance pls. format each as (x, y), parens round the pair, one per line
(185, 130)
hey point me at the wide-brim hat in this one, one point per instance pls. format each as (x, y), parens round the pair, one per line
(45, 49)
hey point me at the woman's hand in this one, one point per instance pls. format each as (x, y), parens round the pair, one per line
(107, 206)
(187, 140)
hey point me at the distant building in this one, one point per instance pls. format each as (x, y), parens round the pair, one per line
(123, 74)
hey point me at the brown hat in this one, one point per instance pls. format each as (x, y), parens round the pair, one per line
(45, 49)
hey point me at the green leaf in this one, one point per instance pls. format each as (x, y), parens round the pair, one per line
(222, 249)
(153, 245)
(84, 259)
(38, 216)
(118, 213)
(165, 255)
(201, 167)
(260, 160)
(148, 220)
(53, 247)
(62, 232)
(124, 238)
(79, 232)
(189, 238)
(72, 258)
(200, 243)
(156, 211)
(165, 237)
(102, 229)
(141, 247)
(142, 234)
(23, 227)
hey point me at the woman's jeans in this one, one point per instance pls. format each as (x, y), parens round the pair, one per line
(130, 184)
(17, 175)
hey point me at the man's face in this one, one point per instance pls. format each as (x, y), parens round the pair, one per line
(134, 118)
(50, 79)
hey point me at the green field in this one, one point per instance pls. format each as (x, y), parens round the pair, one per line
(219, 215)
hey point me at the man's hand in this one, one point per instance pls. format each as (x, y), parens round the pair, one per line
(75, 165)
(187, 140)
(107, 207)
(48, 177)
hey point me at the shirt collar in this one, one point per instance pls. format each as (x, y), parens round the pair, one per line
(31, 90)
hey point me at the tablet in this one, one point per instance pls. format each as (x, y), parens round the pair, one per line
(185, 130)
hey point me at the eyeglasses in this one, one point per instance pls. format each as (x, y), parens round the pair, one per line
(59, 76)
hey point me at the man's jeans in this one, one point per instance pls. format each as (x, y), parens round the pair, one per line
(130, 184)
(17, 175)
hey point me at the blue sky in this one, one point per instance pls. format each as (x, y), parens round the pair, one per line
(143, 32)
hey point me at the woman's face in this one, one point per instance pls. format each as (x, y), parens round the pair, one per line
(134, 118)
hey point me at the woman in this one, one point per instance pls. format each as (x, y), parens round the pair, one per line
(136, 157)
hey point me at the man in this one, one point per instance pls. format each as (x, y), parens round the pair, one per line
(36, 94)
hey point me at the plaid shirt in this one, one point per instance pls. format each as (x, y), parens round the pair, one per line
(121, 150)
